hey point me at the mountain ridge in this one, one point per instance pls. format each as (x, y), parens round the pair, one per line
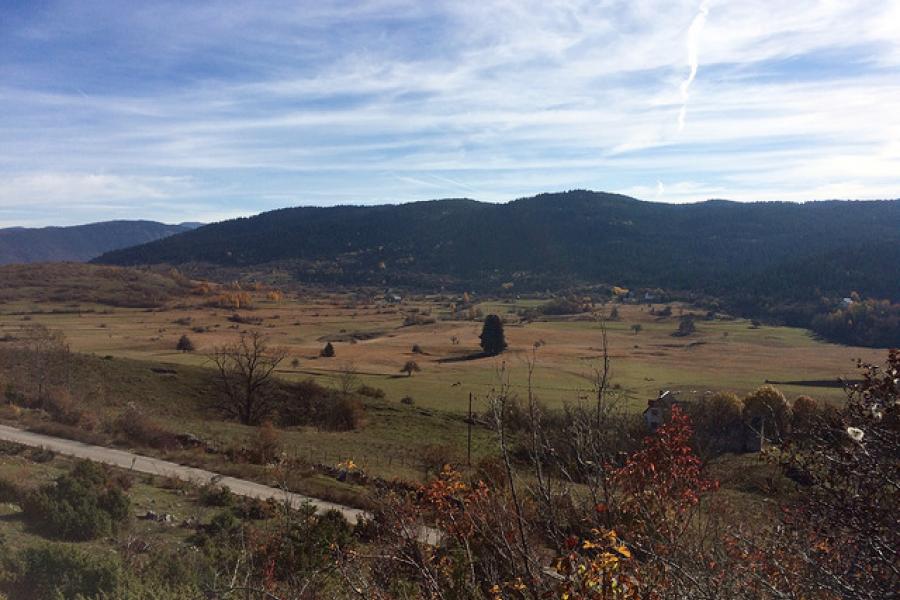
(79, 243)
(542, 241)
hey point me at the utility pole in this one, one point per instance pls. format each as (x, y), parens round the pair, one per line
(469, 433)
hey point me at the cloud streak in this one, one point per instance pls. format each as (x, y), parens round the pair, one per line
(693, 59)
(181, 110)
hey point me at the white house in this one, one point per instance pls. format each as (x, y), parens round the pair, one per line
(658, 410)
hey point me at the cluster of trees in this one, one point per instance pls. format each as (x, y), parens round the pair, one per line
(862, 323)
(569, 305)
(724, 422)
(231, 300)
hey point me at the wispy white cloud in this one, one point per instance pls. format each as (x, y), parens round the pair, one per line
(237, 107)
(693, 58)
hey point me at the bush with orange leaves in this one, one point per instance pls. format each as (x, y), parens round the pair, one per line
(231, 300)
(502, 543)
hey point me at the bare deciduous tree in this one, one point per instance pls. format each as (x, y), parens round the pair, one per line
(245, 377)
(45, 355)
(347, 379)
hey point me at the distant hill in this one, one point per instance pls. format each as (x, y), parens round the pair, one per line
(81, 242)
(719, 247)
(72, 282)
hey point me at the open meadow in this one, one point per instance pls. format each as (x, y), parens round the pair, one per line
(373, 340)
(127, 356)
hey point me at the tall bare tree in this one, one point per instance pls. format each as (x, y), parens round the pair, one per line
(245, 377)
(45, 360)
(347, 379)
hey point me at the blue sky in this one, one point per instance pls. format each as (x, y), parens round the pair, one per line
(201, 111)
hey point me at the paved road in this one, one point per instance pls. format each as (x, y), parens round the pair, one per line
(155, 466)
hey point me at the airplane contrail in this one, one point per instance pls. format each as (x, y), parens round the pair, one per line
(693, 60)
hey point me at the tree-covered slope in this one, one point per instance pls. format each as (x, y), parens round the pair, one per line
(577, 236)
(78, 243)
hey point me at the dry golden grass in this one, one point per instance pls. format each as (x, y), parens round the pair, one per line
(721, 355)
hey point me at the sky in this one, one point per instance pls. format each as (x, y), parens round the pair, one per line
(178, 111)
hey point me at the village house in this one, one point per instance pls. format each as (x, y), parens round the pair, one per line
(658, 410)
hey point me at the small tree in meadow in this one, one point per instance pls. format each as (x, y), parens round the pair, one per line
(410, 367)
(636, 328)
(493, 340)
(327, 351)
(185, 344)
(686, 326)
(245, 377)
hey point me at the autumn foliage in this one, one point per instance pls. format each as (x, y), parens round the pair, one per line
(231, 300)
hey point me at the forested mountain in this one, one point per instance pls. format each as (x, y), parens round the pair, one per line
(81, 242)
(718, 247)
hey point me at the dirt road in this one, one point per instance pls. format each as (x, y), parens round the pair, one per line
(155, 466)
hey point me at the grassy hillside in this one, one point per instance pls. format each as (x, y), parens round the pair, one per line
(76, 284)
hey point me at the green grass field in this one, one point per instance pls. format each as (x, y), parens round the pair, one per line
(128, 343)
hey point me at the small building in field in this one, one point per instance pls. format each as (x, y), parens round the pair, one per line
(659, 410)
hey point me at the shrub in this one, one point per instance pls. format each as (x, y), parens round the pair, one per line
(327, 351)
(213, 494)
(410, 367)
(84, 504)
(305, 546)
(563, 306)
(256, 509)
(370, 392)
(61, 407)
(686, 326)
(244, 320)
(308, 403)
(417, 349)
(185, 344)
(137, 427)
(60, 571)
(266, 446)
(70, 432)
(10, 491)
(436, 456)
(408, 400)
